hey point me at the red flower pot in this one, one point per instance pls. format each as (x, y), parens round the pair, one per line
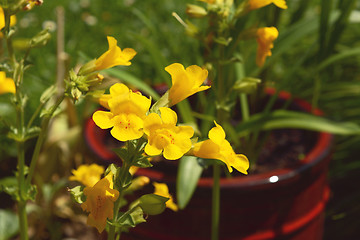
(286, 203)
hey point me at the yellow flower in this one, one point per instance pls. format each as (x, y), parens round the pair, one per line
(100, 202)
(127, 111)
(185, 82)
(265, 39)
(7, 85)
(88, 175)
(162, 189)
(114, 56)
(164, 136)
(255, 4)
(217, 147)
(2, 20)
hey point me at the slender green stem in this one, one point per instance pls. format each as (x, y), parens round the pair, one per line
(111, 233)
(18, 70)
(41, 138)
(23, 220)
(244, 107)
(215, 203)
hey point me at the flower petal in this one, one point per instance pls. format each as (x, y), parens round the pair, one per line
(217, 134)
(168, 116)
(127, 127)
(152, 150)
(103, 119)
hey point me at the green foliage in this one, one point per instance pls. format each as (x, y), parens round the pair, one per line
(188, 175)
(77, 194)
(9, 225)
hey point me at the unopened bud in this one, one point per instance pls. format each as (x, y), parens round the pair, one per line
(40, 39)
(195, 11)
(152, 204)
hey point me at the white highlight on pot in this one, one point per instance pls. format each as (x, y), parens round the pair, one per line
(273, 179)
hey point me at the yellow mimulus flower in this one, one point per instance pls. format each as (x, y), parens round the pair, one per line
(7, 85)
(88, 175)
(2, 19)
(162, 190)
(164, 136)
(114, 56)
(100, 202)
(217, 147)
(185, 82)
(265, 39)
(127, 111)
(255, 4)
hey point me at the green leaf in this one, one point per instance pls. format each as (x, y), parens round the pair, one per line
(189, 172)
(9, 224)
(291, 119)
(126, 181)
(353, 52)
(152, 204)
(9, 185)
(78, 194)
(128, 78)
(131, 218)
(121, 153)
(31, 192)
(142, 162)
(111, 168)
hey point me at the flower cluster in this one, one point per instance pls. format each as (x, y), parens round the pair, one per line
(150, 129)
(130, 116)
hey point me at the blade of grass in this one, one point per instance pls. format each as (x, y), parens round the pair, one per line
(128, 78)
(291, 119)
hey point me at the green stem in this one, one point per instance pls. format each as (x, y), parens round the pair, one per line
(123, 170)
(23, 220)
(215, 203)
(41, 138)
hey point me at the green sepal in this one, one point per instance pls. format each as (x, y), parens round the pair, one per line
(77, 193)
(153, 204)
(162, 102)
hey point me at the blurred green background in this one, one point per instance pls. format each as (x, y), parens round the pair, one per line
(316, 57)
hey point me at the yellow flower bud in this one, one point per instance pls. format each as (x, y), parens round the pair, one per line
(195, 11)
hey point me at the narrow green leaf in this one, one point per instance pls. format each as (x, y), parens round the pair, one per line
(128, 78)
(353, 52)
(189, 172)
(291, 119)
(142, 162)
